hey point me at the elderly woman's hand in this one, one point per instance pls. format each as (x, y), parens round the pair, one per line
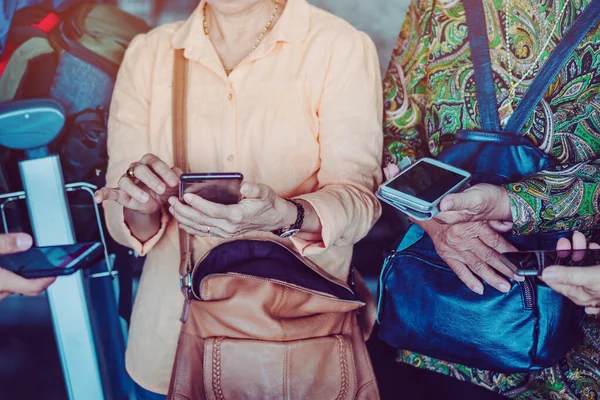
(470, 249)
(260, 210)
(581, 285)
(145, 187)
(482, 202)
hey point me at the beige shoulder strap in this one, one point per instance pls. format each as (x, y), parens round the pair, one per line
(180, 84)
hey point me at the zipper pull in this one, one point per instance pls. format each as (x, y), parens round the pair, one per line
(186, 285)
(389, 258)
(186, 310)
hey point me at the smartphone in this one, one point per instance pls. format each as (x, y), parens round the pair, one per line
(43, 262)
(424, 184)
(396, 199)
(532, 263)
(217, 187)
(415, 214)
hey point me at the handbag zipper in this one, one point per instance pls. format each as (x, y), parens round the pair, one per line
(389, 258)
(299, 288)
(386, 263)
(528, 295)
(186, 282)
(306, 262)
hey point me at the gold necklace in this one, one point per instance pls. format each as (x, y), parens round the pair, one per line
(506, 109)
(260, 37)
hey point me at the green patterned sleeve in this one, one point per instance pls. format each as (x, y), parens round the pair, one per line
(404, 87)
(563, 200)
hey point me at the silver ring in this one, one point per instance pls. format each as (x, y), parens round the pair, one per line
(208, 231)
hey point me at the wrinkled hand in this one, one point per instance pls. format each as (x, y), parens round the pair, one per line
(466, 235)
(580, 284)
(154, 183)
(260, 210)
(470, 249)
(11, 283)
(482, 202)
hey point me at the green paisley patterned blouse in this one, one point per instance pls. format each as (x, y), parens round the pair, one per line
(430, 91)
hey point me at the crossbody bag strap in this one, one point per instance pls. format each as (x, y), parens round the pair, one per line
(180, 84)
(482, 66)
(547, 75)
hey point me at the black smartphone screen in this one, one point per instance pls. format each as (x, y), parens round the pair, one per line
(222, 188)
(533, 262)
(52, 260)
(426, 181)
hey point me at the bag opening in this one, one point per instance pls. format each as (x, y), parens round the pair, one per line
(268, 260)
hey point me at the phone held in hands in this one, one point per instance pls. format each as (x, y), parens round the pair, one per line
(418, 189)
(50, 261)
(216, 187)
(532, 263)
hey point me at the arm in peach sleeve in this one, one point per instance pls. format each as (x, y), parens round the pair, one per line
(128, 139)
(351, 143)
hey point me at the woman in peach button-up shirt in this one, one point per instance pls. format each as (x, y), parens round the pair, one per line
(300, 117)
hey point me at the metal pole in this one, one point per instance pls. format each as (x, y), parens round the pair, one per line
(51, 223)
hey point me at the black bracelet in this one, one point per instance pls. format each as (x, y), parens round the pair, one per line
(300, 216)
(296, 226)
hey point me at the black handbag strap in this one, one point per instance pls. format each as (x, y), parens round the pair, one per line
(466, 135)
(482, 65)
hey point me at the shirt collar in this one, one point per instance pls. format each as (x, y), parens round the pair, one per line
(191, 32)
(294, 24)
(293, 27)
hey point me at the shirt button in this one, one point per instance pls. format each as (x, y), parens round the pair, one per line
(230, 96)
(230, 158)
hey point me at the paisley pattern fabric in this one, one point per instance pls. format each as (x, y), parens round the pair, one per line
(430, 91)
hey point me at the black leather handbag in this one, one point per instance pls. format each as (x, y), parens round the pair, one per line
(423, 306)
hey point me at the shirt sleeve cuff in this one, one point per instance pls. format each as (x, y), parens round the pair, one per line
(331, 217)
(524, 209)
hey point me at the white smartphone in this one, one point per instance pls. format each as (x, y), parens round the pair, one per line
(418, 215)
(424, 184)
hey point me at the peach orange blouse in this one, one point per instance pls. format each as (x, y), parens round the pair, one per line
(302, 114)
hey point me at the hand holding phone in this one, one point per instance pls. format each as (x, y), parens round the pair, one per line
(11, 283)
(481, 202)
(51, 261)
(533, 263)
(216, 187)
(417, 190)
(580, 285)
(260, 210)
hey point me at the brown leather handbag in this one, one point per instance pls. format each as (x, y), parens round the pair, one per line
(260, 321)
